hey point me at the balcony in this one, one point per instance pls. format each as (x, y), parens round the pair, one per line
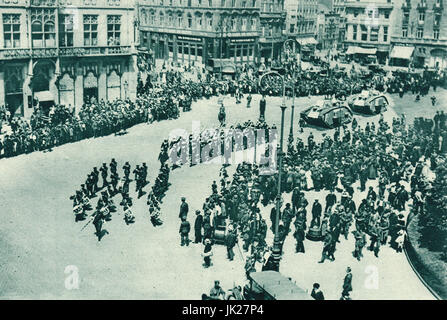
(16, 53)
(95, 51)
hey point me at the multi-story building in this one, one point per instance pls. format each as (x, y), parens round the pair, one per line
(203, 31)
(301, 20)
(328, 25)
(65, 52)
(368, 28)
(419, 34)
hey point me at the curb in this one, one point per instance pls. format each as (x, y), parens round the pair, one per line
(408, 243)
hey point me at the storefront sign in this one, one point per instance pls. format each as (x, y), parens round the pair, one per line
(189, 38)
(242, 40)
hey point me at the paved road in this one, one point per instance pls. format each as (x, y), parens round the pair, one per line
(39, 238)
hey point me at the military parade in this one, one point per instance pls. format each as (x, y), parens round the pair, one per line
(302, 176)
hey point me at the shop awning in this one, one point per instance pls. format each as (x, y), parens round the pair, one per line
(307, 41)
(43, 96)
(360, 50)
(402, 52)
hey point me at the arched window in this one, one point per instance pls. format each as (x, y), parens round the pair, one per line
(244, 24)
(253, 24)
(162, 18)
(152, 18)
(170, 20)
(180, 20)
(37, 34)
(189, 20)
(209, 21)
(199, 21)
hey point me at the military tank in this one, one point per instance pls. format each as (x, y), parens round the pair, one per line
(368, 102)
(328, 114)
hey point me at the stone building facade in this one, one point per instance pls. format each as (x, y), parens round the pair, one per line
(65, 52)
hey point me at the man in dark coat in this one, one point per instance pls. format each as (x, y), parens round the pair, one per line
(184, 208)
(347, 283)
(198, 227)
(316, 213)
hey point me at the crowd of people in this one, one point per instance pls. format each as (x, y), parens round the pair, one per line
(364, 180)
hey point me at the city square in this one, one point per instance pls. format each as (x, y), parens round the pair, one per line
(95, 205)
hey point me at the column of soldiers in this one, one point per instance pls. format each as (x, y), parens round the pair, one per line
(109, 189)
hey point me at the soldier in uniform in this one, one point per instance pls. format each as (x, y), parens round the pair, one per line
(128, 215)
(230, 242)
(185, 227)
(347, 283)
(327, 248)
(316, 214)
(104, 170)
(126, 169)
(360, 242)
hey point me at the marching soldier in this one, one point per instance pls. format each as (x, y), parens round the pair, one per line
(198, 227)
(185, 227)
(184, 208)
(126, 169)
(104, 170)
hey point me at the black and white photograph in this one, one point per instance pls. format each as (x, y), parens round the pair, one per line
(241, 150)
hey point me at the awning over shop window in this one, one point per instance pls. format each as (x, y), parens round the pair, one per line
(307, 41)
(401, 52)
(360, 50)
(43, 96)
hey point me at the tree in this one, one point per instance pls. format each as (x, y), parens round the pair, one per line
(433, 225)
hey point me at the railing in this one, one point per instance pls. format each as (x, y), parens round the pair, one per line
(12, 53)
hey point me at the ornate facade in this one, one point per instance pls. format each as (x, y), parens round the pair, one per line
(65, 52)
(201, 32)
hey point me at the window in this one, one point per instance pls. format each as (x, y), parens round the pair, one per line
(420, 33)
(233, 3)
(152, 18)
(189, 21)
(210, 3)
(421, 16)
(404, 32)
(244, 24)
(180, 20)
(364, 32)
(436, 34)
(253, 4)
(162, 19)
(405, 19)
(292, 28)
(233, 24)
(356, 14)
(222, 3)
(243, 3)
(90, 30)
(170, 20)
(114, 30)
(66, 30)
(374, 35)
(11, 30)
(385, 34)
(199, 22)
(199, 2)
(189, 3)
(210, 22)
(43, 32)
(253, 24)
(437, 20)
(387, 15)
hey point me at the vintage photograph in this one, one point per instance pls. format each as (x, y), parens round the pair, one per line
(223, 150)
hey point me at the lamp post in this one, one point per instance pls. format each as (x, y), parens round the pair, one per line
(276, 250)
(291, 50)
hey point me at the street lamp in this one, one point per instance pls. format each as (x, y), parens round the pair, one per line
(291, 50)
(276, 250)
